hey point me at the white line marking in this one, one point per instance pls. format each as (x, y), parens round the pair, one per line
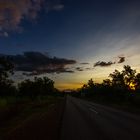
(93, 110)
(92, 106)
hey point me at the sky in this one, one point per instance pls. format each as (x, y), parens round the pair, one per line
(70, 41)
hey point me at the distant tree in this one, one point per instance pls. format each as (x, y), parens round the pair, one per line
(107, 82)
(107, 87)
(84, 89)
(45, 85)
(90, 83)
(137, 81)
(37, 87)
(6, 69)
(90, 87)
(26, 88)
(117, 79)
(123, 86)
(129, 76)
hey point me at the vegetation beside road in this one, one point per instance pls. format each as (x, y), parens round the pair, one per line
(14, 115)
(27, 103)
(34, 100)
(121, 90)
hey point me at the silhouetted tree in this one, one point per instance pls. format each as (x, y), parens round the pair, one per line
(26, 88)
(137, 81)
(6, 69)
(129, 76)
(117, 79)
(107, 82)
(123, 86)
(37, 87)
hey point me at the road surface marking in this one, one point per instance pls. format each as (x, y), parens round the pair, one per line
(91, 109)
(92, 106)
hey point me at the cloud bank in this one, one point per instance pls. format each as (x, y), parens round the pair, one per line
(103, 64)
(79, 69)
(122, 59)
(12, 12)
(84, 63)
(106, 64)
(36, 63)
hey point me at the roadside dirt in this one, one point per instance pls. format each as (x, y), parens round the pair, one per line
(45, 125)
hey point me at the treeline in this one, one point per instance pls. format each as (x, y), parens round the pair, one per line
(122, 86)
(29, 88)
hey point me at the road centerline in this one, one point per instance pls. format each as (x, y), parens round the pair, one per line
(91, 109)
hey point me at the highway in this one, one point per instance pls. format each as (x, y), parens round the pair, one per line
(84, 120)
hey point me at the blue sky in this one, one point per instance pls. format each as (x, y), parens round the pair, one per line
(82, 30)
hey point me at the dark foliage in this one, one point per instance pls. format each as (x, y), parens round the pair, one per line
(6, 85)
(37, 87)
(122, 86)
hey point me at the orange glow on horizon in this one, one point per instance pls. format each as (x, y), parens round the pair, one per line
(132, 86)
(72, 86)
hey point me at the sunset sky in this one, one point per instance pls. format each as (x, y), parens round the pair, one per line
(70, 41)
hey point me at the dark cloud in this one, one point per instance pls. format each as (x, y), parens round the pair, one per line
(58, 7)
(103, 64)
(57, 71)
(12, 12)
(89, 68)
(79, 69)
(35, 63)
(122, 59)
(83, 69)
(84, 63)
(53, 5)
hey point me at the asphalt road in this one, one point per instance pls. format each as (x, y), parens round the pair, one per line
(84, 120)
